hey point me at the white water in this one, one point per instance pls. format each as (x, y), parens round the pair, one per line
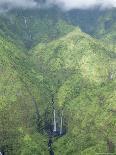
(30, 36)
(26, 25)
(111, 76)
(25, 20)
(54, 130)
(61, 123)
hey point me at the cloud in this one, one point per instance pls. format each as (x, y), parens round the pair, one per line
(9, 4)
(65, 4)
(83, 4)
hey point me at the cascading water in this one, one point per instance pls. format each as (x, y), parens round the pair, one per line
(57, 129)
(25, 20)
(0, 153)
(28, 30)
(61, 123)
(54, 130)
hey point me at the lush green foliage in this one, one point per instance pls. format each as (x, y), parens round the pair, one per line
(42, 56)
(18, 85)
(31, 27)
(81, 73)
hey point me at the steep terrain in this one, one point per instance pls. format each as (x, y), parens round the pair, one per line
(100, 24)
(81, 74)
(31, 27)
(19, 108)
(57, 83)
(106, 26)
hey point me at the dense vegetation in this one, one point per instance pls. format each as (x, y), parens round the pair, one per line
(81, 74)
(31, 27)
(46, 64)
(18, 109)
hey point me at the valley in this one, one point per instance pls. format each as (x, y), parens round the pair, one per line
(57, 82)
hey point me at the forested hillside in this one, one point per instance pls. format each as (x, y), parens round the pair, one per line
(57, 82)
(31, 27)
(19, 103)
(81, 75)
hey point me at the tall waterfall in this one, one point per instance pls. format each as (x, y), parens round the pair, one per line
(61, 123)
(54, 130)
(26, 25)
(25, 20)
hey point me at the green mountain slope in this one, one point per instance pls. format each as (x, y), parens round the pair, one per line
(81, 75)
(31, 27)
(98, 23)
(66, 72)
(18, 108)
(106, 26)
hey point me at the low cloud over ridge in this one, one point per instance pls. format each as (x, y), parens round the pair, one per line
(65, 4)
(83, 4)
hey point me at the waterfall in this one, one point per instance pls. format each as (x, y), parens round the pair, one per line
(30, 36)
(54, 130)
(61, 123)
(111, 76)
(25, 20)
(27, 28)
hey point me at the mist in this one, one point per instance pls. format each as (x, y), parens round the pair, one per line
(83, 4)
(11, 4)
(64, 4)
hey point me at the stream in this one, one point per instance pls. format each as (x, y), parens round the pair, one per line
(50, 142)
